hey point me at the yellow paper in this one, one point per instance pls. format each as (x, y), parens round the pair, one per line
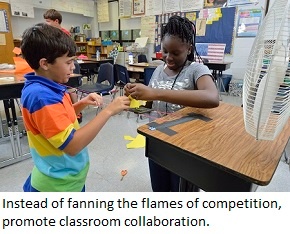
(129, 138)
(209, 22)
(138, 142)
(134, 103)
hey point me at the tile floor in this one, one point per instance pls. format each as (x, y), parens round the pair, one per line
(109, 156)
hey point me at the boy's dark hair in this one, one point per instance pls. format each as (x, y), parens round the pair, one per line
(45, 41)
(53, 14)
(182, 28)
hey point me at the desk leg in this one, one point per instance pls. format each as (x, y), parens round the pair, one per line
(9, 125)
(15, 144)
(219, 82)
(1, 128)
(16, 130)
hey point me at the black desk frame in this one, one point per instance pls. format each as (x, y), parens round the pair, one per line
(195, 169)
(8, 93)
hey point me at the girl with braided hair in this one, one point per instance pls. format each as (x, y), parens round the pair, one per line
(179, 82)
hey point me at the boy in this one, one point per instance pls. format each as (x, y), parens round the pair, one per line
(57, 143)
(54, 18)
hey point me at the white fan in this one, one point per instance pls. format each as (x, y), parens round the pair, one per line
(266, 90)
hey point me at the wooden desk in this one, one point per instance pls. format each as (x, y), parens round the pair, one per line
(216, 155)
(218, 67)
(107, 60)
(136, 70)
(12, 84)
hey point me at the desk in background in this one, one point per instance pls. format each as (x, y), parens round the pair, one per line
(136, 70)
(212, 149)
(10, 89)
(11, 86)
(90, 67)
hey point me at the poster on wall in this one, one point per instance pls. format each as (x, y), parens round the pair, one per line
(138, 7)
(170, 6)
(214, 3)
(241, 2)
(189, 5)
(248, 22)
(153, 7)
(125, 8)
(4, 27)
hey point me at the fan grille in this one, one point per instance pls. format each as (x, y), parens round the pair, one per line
(266, 91)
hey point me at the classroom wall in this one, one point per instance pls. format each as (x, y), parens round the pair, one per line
(239, 56)
(19, 24)
(241, 46)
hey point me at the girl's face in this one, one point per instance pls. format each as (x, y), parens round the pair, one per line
(174, 52)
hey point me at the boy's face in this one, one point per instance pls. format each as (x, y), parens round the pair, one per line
(53, 23)
(60, 70)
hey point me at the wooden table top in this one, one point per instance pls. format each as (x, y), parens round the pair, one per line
(93, 60)
(12, 78)
(223, 141)
(138, 67)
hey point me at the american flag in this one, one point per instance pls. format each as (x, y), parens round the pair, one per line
(213, 52)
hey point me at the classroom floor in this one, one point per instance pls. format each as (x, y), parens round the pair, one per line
(109, 156)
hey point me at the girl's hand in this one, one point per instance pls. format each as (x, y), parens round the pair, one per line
(139, 91)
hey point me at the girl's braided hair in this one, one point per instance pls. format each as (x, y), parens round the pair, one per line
(185, 30)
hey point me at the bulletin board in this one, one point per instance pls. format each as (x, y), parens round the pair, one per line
(220, 30)
(6, 37)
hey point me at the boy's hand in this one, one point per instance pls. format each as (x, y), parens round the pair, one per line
(93, 99)
(118, 104)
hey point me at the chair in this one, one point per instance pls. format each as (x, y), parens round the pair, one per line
(148, 71)
(142, 58)
(105, 82)
(89, 69)
(74, 83)
(121, 77)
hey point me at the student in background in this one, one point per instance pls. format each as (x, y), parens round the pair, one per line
(57, 144)
(179, 82)
(54, 18)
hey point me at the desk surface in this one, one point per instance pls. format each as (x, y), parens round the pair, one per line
(224, 143)
(11, 84)
(11, 78)
(139, 67)
(108, 60)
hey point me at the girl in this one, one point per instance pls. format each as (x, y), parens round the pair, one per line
(179, 82)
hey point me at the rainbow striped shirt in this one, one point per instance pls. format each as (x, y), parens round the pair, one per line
(50, 122)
